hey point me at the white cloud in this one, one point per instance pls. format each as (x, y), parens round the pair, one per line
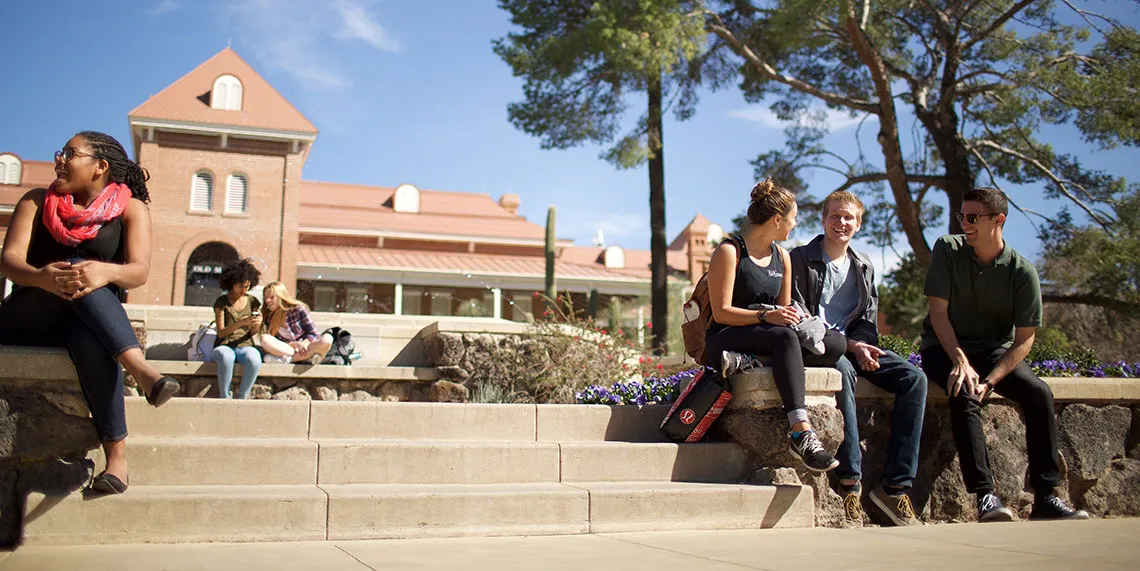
(359, 25)
(621, 225)
(835, 120)
(292, 35)
(163, 7)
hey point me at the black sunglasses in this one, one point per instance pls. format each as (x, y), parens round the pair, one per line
(69, 153)
(971, 218)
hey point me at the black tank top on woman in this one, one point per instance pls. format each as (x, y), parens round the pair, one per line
(106, 246)
(754, 285)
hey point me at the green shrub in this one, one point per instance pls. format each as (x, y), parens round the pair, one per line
(904, 347)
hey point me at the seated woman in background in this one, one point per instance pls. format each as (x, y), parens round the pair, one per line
(71, 249)
(290, 335)
(238, 320)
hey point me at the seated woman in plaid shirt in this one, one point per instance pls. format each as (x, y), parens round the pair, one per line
(290, 335)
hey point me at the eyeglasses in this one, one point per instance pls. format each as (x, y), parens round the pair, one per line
(69, 153)
(971, 218)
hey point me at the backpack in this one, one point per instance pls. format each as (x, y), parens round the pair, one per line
(343, 350)
(698, 312)
(202, 343)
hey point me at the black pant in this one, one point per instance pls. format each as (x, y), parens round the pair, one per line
(94, 329)
(1020, 386)
(788, 357)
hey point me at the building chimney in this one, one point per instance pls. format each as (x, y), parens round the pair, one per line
(510, 203)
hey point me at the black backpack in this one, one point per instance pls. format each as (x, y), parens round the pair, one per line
(342, 347)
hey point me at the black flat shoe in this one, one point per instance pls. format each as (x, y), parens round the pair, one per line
(162, 390)
(106, 483)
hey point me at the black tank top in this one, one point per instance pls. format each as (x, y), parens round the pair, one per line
(106, 246)
(754, 285)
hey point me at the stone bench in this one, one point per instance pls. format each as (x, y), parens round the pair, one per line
(37, 364)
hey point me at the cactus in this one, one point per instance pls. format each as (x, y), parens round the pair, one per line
(592, 306)
(551, 286)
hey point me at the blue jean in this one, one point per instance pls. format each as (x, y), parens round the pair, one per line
(897, 376)
(250, 359)
(94, 329)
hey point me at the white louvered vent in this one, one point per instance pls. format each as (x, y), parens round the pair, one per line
(9, 169)
(237, 193)
(202, 192)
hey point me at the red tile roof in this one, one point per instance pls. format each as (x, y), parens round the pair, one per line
(636, 261)
(262, 106)
(358, 207)
(457, 263)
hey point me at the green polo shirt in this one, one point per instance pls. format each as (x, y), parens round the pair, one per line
(986, 302)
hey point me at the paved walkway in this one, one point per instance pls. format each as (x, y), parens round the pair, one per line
(1098, 544)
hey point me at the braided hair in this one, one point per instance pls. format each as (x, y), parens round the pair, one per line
(122, 169)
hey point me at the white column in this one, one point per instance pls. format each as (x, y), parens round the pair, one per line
(399, 301)
(641, 325)
(497, 300)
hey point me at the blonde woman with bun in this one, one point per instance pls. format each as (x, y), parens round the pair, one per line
(744, 286)
(290, 334)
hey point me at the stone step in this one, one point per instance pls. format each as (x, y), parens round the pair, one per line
(221, 461)
(179, 514)
(458, 462)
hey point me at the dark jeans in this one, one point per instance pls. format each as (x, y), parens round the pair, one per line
(1020, 386)
(94, 329)
(788, 358)
(897, 376)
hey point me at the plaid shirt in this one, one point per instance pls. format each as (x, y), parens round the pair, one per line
(298, 326)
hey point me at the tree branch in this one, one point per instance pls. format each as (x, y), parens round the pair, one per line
(1058, 181)
(1117, 305)
(999, 22)
(769, 72)
(928, 179)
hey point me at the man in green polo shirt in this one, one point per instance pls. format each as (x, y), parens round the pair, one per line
(985, 308)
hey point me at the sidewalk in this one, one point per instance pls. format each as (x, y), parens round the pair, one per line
(1098, 544)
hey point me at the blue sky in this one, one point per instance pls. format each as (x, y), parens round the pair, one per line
(406, 91)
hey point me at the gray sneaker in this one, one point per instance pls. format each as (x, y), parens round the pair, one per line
(898, 508)
(732, 363)
(990, 509)
(852, 508)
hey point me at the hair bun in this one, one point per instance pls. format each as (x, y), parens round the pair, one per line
(762, 189)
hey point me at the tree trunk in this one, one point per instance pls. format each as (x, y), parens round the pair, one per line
(942, 126)
(889, 137)
(658, 269)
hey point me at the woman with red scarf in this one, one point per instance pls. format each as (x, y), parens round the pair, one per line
(71, 249)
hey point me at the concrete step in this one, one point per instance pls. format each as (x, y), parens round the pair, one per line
(218, 418)
(179, 514)
(371, 511)
(423, 421)
(221, 461)
(412, 511)
(656, 506)
(657, 462)
(460, 462)
(436, 462)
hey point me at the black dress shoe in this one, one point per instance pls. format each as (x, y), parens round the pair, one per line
(162, 391)
(106, 483)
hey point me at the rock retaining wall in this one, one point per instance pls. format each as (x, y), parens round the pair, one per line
(1098, 442)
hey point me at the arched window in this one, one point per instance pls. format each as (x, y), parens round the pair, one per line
(9, 169)
(613, 257)
(406, 199)
(202, 192)
(237, 193)
(226, 93)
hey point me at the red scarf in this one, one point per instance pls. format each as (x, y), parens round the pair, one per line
(70, 226)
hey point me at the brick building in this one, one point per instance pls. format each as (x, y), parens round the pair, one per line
(226, 152)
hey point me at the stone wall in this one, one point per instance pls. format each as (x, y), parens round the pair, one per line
(1099, 443)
